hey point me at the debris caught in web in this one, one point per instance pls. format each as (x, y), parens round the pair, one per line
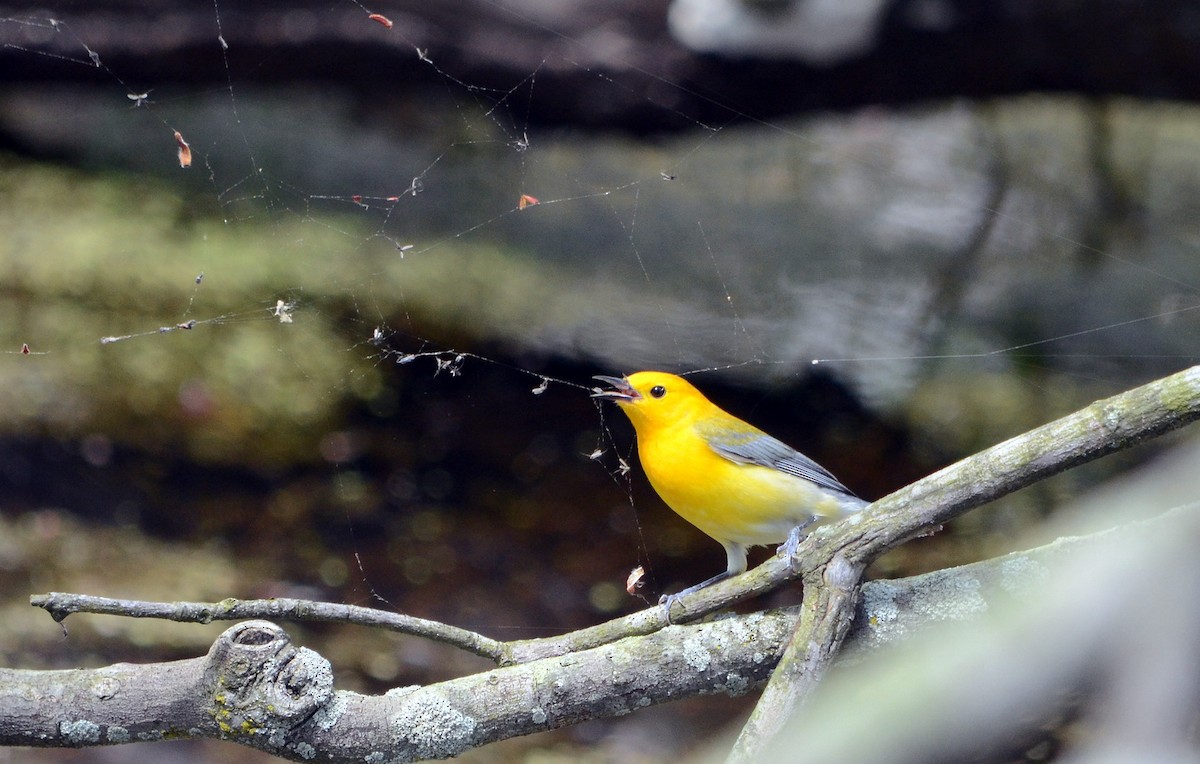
(634, 581)
(283, 311)
(185, 151)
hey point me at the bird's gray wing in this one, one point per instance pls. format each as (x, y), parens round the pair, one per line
(756, 447)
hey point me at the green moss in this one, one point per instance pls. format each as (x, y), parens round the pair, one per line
(99, 274)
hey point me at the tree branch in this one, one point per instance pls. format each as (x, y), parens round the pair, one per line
(1101, 630)
(593, 673)
(848, 547)
(255, 688)
(60, 605)
(252, 682)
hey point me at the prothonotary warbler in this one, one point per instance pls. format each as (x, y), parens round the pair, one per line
(727, 477)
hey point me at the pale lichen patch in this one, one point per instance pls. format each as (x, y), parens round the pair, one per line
(80, 732)
(328, 714)
(696, 654)
(1021, 574)
(117, 734)
(433, 727)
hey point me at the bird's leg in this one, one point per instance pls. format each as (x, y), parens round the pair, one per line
(667, 600)
(788, 548)
(736, 557)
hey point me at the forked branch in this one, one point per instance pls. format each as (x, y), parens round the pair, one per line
(609, 669)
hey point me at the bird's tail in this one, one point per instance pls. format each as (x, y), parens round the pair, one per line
(848, 504)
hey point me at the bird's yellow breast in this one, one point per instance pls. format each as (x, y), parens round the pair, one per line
(730, 501)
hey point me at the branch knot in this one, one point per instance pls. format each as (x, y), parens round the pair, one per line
(260, 684)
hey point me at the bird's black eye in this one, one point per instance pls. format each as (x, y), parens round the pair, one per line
(658, 391)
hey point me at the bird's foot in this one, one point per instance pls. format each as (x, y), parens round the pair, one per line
(788, 549)
(667, 600)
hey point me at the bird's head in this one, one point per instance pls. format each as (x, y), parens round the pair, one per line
(653, 398)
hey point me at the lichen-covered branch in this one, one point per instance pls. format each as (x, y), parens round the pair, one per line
(1103, 427)
(257, 689)
(253, 683)
(825, 617)
(1102, 631)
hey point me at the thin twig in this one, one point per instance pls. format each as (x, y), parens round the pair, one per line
(60, 605)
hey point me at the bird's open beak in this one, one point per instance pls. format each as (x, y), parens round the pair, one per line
(622, 390)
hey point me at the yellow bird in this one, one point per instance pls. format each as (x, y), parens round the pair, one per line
(728, 478)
